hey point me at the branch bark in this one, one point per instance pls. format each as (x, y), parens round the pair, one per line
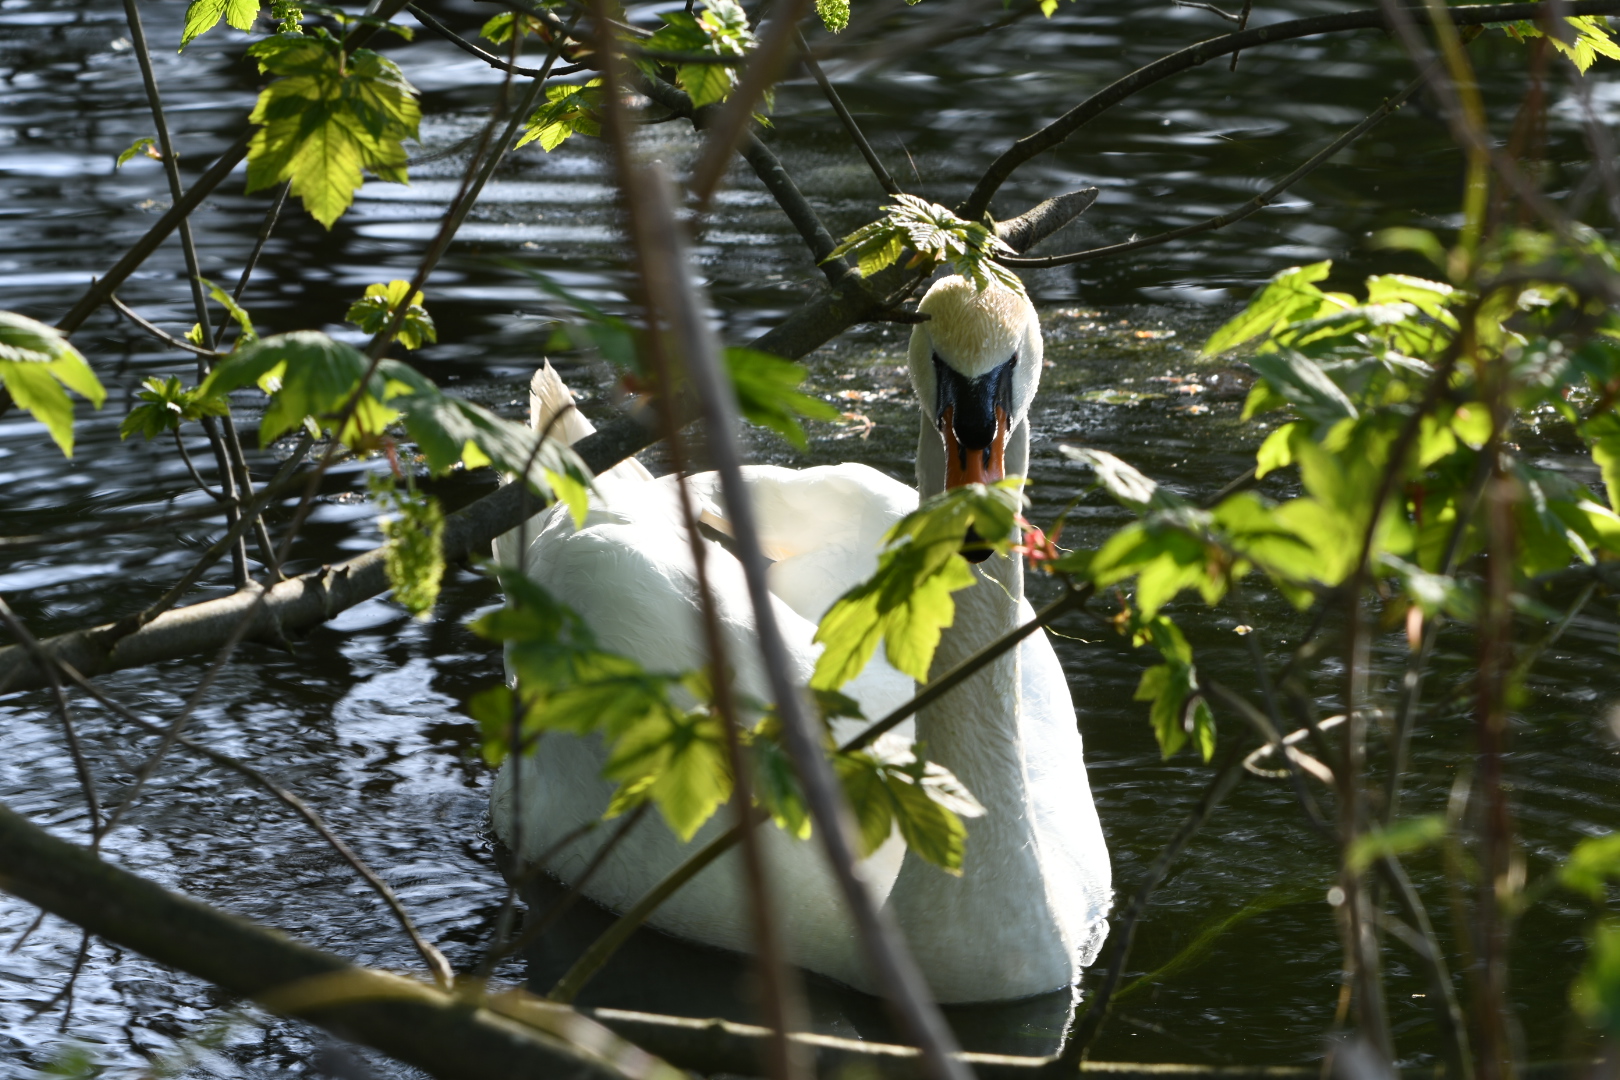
(449, 1037)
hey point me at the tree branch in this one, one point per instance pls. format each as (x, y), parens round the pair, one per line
(1194, 55)
(1253, 206)
(446, 1036)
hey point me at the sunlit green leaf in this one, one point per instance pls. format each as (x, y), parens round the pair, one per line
(908, 602)
(1593, 864)
(327, 120)
(376, 310)
(1290, 296)
(307, 374)
(1596, 993)
(203, 15)
(937, 235)
(38, 367)
(571, 109)
(147, 146)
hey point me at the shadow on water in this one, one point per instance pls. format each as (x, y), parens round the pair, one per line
(366, 720)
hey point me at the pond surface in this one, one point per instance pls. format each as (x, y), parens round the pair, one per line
(365, 718)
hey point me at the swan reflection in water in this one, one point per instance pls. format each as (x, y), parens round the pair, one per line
(1027, 913)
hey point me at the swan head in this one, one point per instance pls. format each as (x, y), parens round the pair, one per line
(975, 365)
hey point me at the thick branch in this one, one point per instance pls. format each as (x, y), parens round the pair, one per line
(1194, 55)
(410, 1021)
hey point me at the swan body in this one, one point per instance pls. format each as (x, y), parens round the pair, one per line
(1027, 913)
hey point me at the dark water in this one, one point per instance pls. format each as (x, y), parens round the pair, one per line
(365, 718)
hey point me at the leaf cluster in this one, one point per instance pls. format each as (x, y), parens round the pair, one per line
(1590, 39)
(720, 30)
(413, 526)
(570, 109)
(665, 745)
(1381, 393)
(375, 311)
(165, 405)
(935, 235)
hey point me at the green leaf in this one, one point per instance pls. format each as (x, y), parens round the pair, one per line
(449, 430)
(499, 28)
(569, 110)
(834, 14)
(768, 393)
(327, 120)
(923, 798)
(414, 556)
(308, 374)
(1176, 709)
(1401, 838)
(375, 311)
(166, 404)
(1402, 238)
(1123, 481)
(677, 759)
(1290, 296)
(1593, 864)
(1596, 993)
(138, 146)
(1429, 297)
(674, 756)
(907, 602)
(38, 367)
(1306, 386)
(721, 30)
(776, 785)
(1275, 453)
(203, 15)
(238, 313)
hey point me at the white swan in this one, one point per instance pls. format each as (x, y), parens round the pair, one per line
(1027, 913)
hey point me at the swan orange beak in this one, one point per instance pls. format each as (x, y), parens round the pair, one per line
(973, 465)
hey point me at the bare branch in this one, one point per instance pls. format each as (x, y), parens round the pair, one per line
(1078, 117)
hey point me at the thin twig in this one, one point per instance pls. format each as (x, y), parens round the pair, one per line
(468, 47)
(539, 924)
(435, 960)
(1072, 121)
(1242, 24)
(162, 335)
(43, 658)
(199, 298)
(591, 961)
(673, 300)
(885, 181)
(191, 467)
(1086, 1028)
